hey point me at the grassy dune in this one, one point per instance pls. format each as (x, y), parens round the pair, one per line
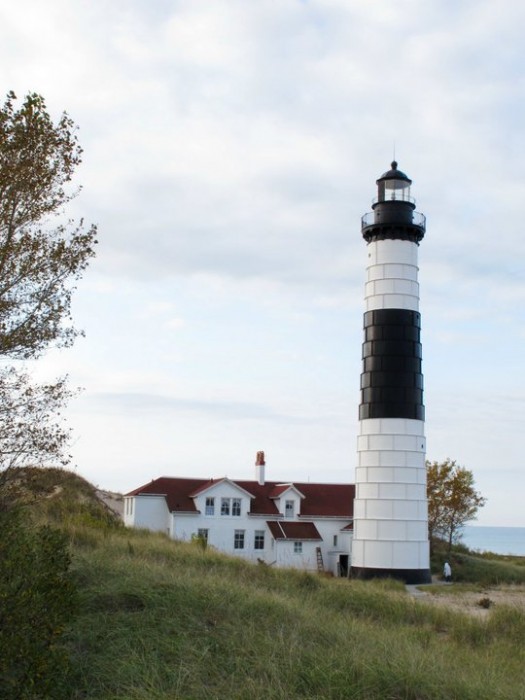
(161, 620)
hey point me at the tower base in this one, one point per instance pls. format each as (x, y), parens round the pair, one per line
(411, 576)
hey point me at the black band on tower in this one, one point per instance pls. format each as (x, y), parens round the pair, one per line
(392, 381)
(410, 576)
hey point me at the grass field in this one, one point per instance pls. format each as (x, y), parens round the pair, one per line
(161, 620)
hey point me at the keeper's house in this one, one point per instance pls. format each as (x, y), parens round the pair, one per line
(304, 526)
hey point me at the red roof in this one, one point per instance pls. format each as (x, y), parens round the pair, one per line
(327, 499)
(279, 489)
(204, 486)
(283, 530)
(176, 491)
(322, 500)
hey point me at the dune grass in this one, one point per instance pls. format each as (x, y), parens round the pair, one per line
(486, 569)
(57, 497)
(160, 619)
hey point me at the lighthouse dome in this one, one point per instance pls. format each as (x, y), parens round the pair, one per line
(395, 174)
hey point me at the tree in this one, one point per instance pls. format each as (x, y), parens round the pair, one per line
(40, 260)
(452, 499)
(31, 429)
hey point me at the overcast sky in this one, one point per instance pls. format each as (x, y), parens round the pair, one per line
(230, 150)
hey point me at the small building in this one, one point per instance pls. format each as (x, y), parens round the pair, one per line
(299, 525)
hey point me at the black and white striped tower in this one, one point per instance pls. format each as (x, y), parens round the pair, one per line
(390, 508)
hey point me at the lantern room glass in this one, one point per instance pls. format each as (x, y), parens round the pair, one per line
(393, 190)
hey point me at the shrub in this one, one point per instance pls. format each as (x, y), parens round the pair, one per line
(37, 598)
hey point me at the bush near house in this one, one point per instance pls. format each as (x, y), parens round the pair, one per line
(37, 599)
(37, 588)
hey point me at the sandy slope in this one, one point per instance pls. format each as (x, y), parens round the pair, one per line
(478, 602)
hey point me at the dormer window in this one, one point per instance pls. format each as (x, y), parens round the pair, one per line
(210, 506)
(236, 506)
(225, 506)
(289, 507)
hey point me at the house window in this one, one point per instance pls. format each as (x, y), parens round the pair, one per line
(238, 540)
(259, 539)
(225, 506)
(210, 506)
(202, 534)
(335, 540)
(236, 506)
(297, 547)
(288, 509)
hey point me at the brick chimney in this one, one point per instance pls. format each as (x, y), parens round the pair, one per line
(259, 467)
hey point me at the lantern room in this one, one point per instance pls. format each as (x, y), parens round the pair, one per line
(394, 185)
(393, 212)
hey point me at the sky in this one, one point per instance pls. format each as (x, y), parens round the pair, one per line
(230, 150)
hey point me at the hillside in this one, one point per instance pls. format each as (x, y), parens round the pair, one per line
(159, 620)
(165, 620)
(60, 496)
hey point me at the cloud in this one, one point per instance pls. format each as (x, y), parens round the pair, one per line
(230, 150)
(122, 403)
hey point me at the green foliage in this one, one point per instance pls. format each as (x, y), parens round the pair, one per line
(452, 499)
(38, 262)
(199, 541)
(41, 258)
(37, 599)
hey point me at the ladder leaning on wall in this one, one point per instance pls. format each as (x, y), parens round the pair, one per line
(320, 565)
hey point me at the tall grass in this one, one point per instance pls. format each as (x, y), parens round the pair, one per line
(160, 619)
(484, 569)
(487, 570)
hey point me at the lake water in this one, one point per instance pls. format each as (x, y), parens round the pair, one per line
(500, 540)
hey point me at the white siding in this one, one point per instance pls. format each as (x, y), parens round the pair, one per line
(390, 507)
(287, 558)
(392, 272)
(151, 512)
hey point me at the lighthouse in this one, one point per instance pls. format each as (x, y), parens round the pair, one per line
(390, 507)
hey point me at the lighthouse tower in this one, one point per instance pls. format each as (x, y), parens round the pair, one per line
(390, 508)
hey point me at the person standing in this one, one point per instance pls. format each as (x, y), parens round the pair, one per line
(447, 572)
